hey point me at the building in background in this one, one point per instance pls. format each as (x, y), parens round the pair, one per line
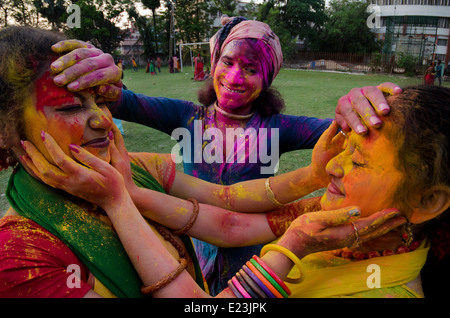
(420, 28)
(131, 44)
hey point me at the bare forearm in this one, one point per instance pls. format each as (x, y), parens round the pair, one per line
(251, 196)
(215, 225)
(248, 196)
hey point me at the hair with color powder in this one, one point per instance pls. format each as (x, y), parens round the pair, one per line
(25, 54)
(419, 122)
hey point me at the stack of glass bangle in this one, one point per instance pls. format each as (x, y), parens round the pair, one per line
(257, 280)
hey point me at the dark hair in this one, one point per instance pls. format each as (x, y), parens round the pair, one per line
(269, 102)
(25, 53)
(423, 113)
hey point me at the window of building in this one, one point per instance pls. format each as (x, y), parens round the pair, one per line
(442, 42)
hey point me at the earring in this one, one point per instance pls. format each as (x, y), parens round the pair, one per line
(407, 235)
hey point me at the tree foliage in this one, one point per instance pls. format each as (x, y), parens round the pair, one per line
(53, 10)
(192, 20)
(228, 7)
(99, 21)
(304, 18)
(153, 5)
(341, 28)
(346, 28)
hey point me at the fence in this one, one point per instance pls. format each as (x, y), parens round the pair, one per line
(345, 62)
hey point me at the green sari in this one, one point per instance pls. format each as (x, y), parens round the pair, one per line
(94, 242)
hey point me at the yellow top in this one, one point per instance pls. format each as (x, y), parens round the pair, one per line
(327, 275)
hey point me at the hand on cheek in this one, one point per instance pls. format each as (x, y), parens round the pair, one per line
(94, 180)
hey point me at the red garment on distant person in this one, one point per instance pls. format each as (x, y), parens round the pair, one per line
(199, 75)
(429, 79)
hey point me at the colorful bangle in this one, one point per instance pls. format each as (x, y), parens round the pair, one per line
(264, 280)
(191, 221)
(234, 290)
(240, 288)
(272, 274)
(167, 279)
(269, 278)
(270, 194)
(258, 281)
(291, 256)
(244, 284)
(254, 286)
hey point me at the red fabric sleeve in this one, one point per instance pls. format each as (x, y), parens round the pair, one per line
(34, 263)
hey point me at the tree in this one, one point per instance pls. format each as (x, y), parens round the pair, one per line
(227, 7)
(270, 14)
(143, 24)
(346, 29)
(99, 21)
(22, 11)
(192, 20)
(153, 5)
(52, 10)
(303, 18)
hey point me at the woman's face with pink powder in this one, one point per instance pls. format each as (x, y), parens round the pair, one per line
(238, 77)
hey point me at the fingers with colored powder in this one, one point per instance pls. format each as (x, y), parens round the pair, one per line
(330, 230)
(91, 181)
(85, 66)
(362, 107)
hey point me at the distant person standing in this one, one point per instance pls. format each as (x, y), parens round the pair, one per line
(199, 75)
(170, 65)
(133, 61)
(439, 72)
(175, 63)
(158, 63)
(147, 68)
(152, 67)
(429, 75)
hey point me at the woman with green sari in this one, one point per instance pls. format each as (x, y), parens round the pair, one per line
(75, 242)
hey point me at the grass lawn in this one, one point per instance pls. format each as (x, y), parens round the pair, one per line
(307, 93)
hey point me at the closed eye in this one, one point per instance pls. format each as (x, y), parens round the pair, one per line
(69, 108)
(358, 164)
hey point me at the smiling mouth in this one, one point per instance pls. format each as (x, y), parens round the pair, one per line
(97, 143)
(238, 91)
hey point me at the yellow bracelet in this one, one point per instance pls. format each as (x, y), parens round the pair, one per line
(291, 256)
(270, 194)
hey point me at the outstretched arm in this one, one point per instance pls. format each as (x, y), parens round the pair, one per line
(252, 195)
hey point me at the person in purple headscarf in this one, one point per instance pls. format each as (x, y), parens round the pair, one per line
(238, 133)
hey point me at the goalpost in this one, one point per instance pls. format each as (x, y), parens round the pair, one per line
(190, 46)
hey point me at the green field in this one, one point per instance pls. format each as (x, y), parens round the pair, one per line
(308, 93)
